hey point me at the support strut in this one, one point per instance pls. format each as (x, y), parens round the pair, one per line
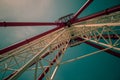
(104, 12)
(116, 54)
(81, 10)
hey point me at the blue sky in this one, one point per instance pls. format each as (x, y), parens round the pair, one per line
(101, 66)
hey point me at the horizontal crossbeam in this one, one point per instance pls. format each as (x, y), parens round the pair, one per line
(16, 24)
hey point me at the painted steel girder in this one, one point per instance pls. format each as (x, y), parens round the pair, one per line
(111, 52)
(81, 10)
(16, 24)
(104, 12)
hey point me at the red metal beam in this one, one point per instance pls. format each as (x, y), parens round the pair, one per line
(48, 68)
(7, 78)
(105, 12)
(43, 75)
(81, 9)
(106, 36)
(47, 53)
(27, 41)
(116, 54)
(16, 24)
(111, 36)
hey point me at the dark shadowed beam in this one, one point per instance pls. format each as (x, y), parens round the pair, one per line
(104, 12)
(18, 24)
(106, 36)
(116, 54)
(7, 78)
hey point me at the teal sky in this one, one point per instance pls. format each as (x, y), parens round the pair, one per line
(101, 66)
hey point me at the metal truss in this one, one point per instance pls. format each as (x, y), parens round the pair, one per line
(24, 57)
(42, 54)
(99, 28)
(102, 33)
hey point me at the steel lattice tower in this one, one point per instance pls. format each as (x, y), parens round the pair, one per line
(43, 53)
